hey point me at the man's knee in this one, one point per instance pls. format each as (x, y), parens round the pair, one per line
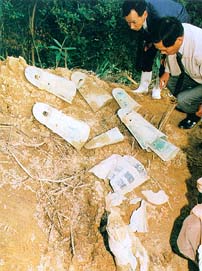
(171, 86)
(187, 103)
(183, 103)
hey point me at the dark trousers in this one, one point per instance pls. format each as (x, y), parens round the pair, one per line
(190, 96)
(147, 59)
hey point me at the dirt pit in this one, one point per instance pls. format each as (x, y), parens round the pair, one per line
(52, 210)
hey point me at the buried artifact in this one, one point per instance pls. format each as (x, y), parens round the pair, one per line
(74, 131)
(57, 85)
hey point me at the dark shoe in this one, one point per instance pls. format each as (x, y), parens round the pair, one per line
(190, 121)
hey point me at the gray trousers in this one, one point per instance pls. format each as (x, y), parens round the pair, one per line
(190, 96)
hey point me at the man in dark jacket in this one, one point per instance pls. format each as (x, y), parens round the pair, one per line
(142, 15)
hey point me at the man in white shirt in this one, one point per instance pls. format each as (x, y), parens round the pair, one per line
(174, 38)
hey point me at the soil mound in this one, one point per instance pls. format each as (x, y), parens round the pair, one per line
(52, 212)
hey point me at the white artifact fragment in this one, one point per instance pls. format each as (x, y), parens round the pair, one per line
(74, 131)
(164, 149)
(157, 198)
(125, 246)
(127, 175)
(103, 168)
(135, 200)
(94, 94)
(124, 173)
(110, 137)
(142, 130)
(138, 220)
(124, 100)
(78, 78)
(148, 136)
(57, 85)
(113, 199)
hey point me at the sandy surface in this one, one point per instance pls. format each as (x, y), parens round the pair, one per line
(52, 210)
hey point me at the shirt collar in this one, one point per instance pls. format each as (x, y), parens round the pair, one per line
(181, 50)
(145, 25)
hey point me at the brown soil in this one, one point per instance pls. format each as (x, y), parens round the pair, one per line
(52, 210)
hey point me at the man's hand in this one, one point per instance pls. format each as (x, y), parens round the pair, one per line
(147, 46)
(199, 112)
(164, 80)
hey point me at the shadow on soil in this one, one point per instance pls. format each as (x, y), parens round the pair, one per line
(194, 163)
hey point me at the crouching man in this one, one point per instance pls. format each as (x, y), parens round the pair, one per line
(182, 44)
(189, 240)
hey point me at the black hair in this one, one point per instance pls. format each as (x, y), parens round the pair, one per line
(167, 30)
(138, 5)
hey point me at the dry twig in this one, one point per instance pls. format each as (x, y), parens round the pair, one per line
(166, 117)
(130, 79)
(72, 240)
(37, 178)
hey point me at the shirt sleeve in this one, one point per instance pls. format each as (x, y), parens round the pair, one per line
(167, 66)
(198, 62)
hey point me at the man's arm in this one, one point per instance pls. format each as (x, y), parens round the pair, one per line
(164, 80)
